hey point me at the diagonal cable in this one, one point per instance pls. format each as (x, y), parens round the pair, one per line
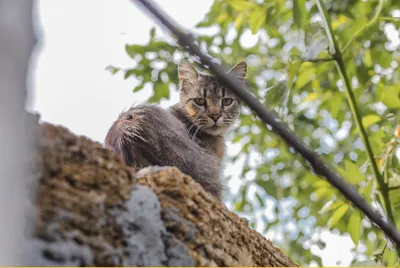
(319, 166)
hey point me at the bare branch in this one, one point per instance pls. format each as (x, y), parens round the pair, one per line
(393, 188)
(317, 60)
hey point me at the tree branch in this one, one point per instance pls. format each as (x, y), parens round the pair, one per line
(319, 166)
(337, 54)
(390, 19)
(366, 26)
(393, 188)
(317, 60)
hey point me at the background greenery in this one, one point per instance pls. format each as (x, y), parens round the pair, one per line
(291, 71)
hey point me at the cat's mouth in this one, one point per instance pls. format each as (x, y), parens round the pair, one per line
(215, 130)
(214, 126)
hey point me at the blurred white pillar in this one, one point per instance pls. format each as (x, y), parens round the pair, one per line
(16, 43)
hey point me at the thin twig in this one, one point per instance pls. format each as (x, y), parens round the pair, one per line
(313, 60)
(389, 19)
(393, 188)
(319, 166)
(317, 60)
(379, 256)
(390, 188)
(366, 26)
(337, 54)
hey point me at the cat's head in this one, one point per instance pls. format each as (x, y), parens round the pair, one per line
(208, 104)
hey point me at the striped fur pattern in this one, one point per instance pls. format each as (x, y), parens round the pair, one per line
(206, 107)
(148, 135)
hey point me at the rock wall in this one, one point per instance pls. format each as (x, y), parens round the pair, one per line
(93, 211)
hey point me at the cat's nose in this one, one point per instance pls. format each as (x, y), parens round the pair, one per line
(215, 117)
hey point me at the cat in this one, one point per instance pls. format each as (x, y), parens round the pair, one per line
(189, 135)
(206, 107)
(148, 135)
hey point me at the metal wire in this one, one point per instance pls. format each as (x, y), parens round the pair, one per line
(318, 166)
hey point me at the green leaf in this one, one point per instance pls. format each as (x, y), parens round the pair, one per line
(376, 139)
(138, 87)
(391, 96)
(276, 94)
(130, 72)
(321, 184)
(340, 21)
(311, 96)
(239, 20)
(300, 12)
(394, 195)
(367, 191)
(241, 5)
(370, 119)
(260, 200)
(323, 192)
(353, 173)
(161, 90)
(209, 18)
(338, 214)
(222, 17)
(205, 23)
(315, 40)
(391, 257)
(335, 103)
(257, 19)
(354, 226)
(305, 74)
(113, 70)
(368, 58)
(330, 205)
(381, 56)
(152, 33)
(293, 67)
(133, 50)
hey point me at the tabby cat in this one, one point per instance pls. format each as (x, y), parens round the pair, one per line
(206, 107)
(147, 135)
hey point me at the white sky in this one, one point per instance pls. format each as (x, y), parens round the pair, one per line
(77, 40)
(80, 38)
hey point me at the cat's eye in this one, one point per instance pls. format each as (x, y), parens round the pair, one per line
(200, 101)
(227, 101)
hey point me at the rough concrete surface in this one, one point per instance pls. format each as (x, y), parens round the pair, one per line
(93, 211)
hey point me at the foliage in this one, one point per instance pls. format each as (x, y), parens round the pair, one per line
(291, 71)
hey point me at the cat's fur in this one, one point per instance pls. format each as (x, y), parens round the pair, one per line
(200, 120)
(148, 135)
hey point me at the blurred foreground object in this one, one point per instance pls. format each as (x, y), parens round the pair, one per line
(16, 43)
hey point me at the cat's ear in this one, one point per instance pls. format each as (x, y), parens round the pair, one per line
(239, 71)
(186, 72)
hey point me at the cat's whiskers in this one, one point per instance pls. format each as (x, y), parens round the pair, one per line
(230, 121)
(195, 124)
(190, 128)
(202, 121)
(133, 132)
(195, 133)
